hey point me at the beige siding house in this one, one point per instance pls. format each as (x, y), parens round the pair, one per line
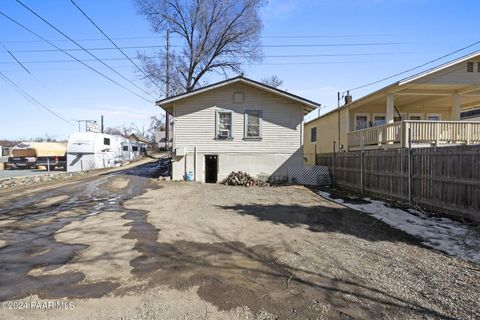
(428, 105)
(236, 125)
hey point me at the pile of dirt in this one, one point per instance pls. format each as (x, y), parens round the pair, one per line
(240, 178)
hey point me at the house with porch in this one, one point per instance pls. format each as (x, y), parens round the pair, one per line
(419, 111)
(236, 125)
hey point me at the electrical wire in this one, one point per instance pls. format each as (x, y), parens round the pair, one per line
(87, 51)
(113, 43)
(277, 56)
(173, 36)
(73, 57)
(29, 97)
(15, 58)
(416, 67)
(157, 46)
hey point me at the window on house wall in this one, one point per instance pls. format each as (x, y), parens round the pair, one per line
(224, 124)
(106, 141)
(253, 124)
(125, 148)
(469, 66)
(134, 148)
(313, 134)
(415, 117)
(478, 66)
(361, 122)
(378, 119)
(433, 117)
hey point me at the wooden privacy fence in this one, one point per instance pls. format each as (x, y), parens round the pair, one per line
(444, 179)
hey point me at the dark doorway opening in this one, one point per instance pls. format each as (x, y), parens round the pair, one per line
(211, 168)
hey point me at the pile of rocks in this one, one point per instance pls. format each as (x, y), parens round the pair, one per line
(240, 178)
(10, 183)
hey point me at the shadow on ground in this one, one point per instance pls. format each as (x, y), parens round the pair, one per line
(325, 219)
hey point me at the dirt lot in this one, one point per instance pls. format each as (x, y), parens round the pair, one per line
(168, 250)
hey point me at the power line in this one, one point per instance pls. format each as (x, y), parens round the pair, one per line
(29, 97)
(417, 67)
(255, 64)
(162, 37)
(71, 56)
(111, 41)
(262, 46)
(80, 46)
(268, 56)
(15, 58)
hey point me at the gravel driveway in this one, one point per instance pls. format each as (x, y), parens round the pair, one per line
(170, 250)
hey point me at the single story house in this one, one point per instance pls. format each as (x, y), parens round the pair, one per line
(236, 125)
(140, 142)
(428, 105)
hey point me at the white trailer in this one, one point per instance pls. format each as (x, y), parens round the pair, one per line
(92, 150)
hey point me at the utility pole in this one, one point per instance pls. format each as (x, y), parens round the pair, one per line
(101, 124)
(167, 93)
(338, 110)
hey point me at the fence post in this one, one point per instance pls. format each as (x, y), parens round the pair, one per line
(410, 171)
(48, 164)
(334, 160)
(361, 164)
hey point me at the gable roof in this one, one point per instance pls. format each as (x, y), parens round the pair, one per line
(438, 68)
(308, 104)
(404, 81)
(138, 137)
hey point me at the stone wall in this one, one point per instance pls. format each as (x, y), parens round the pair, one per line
(11, 183)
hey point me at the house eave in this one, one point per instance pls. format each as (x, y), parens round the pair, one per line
(308, 106)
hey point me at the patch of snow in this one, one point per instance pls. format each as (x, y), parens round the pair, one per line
(449, 236)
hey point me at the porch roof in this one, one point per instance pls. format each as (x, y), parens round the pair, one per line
(422, 88)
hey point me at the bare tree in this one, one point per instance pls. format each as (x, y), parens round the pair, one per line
(215, 36)
(157, 123)
(114, 131)
(272, 81)
(126, 129)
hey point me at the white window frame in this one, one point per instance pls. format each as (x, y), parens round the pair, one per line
(217, 123)
(434, 115)
(316, 134)
(379, 115)
(356, 115)
(245, 124)
(416, 114)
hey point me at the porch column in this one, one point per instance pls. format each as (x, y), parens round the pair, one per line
(348, 120)
(390, 109)
(456, 107)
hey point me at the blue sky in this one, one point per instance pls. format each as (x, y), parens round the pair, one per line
(422, 30)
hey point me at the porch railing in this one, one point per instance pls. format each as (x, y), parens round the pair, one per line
(423, 133)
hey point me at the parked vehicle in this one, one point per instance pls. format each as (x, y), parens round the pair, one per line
(93, 150)
(51, 155)
(22, 156)
(33, 154)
